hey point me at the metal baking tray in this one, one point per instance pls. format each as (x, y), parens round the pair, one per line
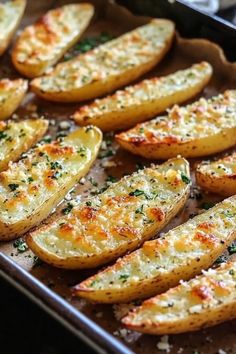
(50, 287)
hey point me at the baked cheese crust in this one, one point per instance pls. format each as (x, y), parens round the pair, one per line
(218, 176)
(32, 187)
(42, 44)
(109, 66)
(202, 128)
(11, 13)
(16, 138)
(159, 265)
(137, 103)
(118, 220)
(202, 302)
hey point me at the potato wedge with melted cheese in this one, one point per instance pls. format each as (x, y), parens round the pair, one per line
(16, 138)
(109, 66)
(116, 221)
(160, 264)
(31, 188)
(11, 13)
(137, 103)
(202, 128)
(12, 93)
(42, 44)
(205, 301)
(218, 176)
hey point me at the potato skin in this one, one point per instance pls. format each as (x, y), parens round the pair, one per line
(42, 44)
(91, 138)
(37, 128)
(184, 130)
(224, 183)
(167, 254)
(123, 110)
(99, 221)
(13, 91)
(106, 81)
(19, 10)
(212, 294)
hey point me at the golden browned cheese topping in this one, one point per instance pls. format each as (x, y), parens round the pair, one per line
(184, 124)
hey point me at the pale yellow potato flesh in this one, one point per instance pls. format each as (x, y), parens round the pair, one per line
(160, 264)
(109, 66)
(32, 187)
(218, 176)
(12, 93)
(137, 103)
(116, 221)
(18, 137)
(204, 301)
(199, 129)
(41, 45)
(11, 13)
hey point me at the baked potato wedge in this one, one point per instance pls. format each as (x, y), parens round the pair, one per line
(109, 66)
(12, 93)
(42, 44)
(202, 128)
(218, 176)
(160, 264)
(31, 188)
(119, 220)
(16, 138)
(11, 13)
(137, 103)
(202, 302)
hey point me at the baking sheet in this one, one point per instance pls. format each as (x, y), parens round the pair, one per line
(115, 20)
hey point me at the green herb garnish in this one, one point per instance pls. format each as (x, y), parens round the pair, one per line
(67, 209)
(21, 245)
(185, 178)
(206, 205)
(232, 249)
(124, 277)
(13, 186)
(137, 193)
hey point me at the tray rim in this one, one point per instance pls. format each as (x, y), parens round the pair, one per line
(71, 318)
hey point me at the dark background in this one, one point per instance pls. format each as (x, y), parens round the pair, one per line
(24, 328)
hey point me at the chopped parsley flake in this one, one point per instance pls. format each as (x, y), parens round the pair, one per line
(137, 193)
(124, 277)
(139, 210)
(2, 135)
(185, 179)
(21, 245)
(111, 179)
(55, 165)
(232, 249)
(67, 209)
(13, 186)
(206, 205)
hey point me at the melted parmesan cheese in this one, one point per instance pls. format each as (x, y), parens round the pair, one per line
(184, 124)
(10, 16)
(219, 168)
(150, 90)
(126, 212)
(43, 43)
(16, 138)
(111, 59)
(210, 291)
(47, 170)
(172, 253)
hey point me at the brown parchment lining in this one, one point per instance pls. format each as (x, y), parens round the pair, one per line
(115, 20)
